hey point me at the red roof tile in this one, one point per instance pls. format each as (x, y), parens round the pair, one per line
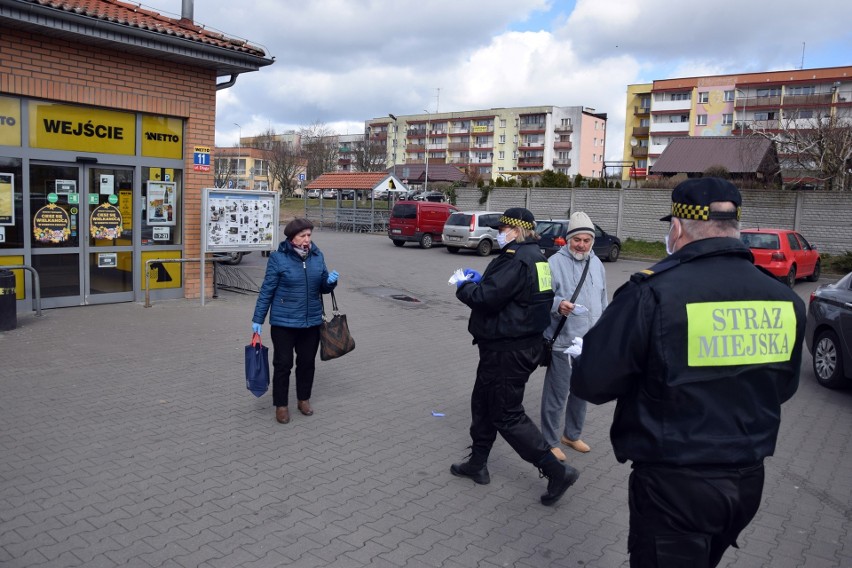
(348, 180)
(134, 16)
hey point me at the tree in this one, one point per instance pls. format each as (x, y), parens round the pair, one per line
(284, 159)
(224, 171)
(550, 178)
(319, 148)
(815, 149)
(369, 155)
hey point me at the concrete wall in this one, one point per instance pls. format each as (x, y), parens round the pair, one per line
(824, 218)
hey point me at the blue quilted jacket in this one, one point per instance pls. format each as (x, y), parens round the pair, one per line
(291, 288)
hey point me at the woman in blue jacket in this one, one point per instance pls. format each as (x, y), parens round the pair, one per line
(296, 276)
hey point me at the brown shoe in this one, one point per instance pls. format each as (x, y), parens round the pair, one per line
(577, 445)
(305, 408)
(559, 454)
(282, 414)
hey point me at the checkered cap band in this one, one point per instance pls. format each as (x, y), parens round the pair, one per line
(512, 222)
(699, 212)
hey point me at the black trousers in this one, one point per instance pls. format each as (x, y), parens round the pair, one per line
(304, 342)
(687, 517)
(496, 405)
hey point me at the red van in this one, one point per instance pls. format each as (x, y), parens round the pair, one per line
(418, 222)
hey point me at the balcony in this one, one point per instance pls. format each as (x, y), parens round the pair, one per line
(458, 146)
(673, 127)
(562, 145)
(416, 132)
(531, 128)
(564, 129)
(464, 161)
(823, 99)
(641, 131)
(415, 147)
(640, 110)
(561, 162)
(639, 151)
(531, 146)
(662, 106)
(531, 161)
(773, 101)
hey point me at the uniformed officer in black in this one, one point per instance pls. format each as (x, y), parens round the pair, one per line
(510, 308)
(699, 352)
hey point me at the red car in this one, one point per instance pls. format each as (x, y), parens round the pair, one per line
(784, 253)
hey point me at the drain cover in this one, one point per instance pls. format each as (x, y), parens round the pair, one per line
(404, 298)
(392, 294)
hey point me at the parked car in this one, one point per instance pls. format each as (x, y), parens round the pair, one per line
(828, 333)
(418, 221)
(394, 193)
(434, 196)
(313, 193)
(232, 258)
(784, 253)
(553, 237)
(469, 229)
(329, 194)
(347, 194)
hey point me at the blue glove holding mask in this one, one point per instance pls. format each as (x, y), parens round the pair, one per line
(473, 275)
(333, 276)
(256, 327)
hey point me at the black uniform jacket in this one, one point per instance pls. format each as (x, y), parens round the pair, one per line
(700, 351)
(511, 304)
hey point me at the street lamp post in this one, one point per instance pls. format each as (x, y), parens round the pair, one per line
(393, 143)
(239, 153)
(426, 178)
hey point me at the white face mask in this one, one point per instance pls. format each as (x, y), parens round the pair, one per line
(669, 242)
(502, 239)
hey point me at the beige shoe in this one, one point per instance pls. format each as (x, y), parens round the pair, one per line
(577, 445)
(558, 454)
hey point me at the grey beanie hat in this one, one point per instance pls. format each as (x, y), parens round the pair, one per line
(580, 223)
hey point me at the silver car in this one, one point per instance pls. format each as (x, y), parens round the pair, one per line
(469, 229)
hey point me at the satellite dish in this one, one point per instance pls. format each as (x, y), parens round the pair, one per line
(633, 142)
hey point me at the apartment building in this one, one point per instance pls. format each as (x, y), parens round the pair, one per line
(775, 104)
(500, 142)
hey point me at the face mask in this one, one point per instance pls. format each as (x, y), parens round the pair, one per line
(669, 241)
(503, 240)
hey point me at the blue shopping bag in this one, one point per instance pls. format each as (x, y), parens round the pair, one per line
(257, 366)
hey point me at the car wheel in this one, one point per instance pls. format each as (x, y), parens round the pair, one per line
(398, 242)
(426, 241)
(828, 362)
(790, 279)
(484, 248)
(453, 250)
(817, 270)
(233, 258)
(613, 253)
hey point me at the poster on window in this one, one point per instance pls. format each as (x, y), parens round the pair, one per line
(160, 202)
(105, 222)
(7, 199)
(51, 224)
(240, 220)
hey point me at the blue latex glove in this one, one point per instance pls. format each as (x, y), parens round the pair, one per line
(475, 276)
(255, 327)
(333, 276)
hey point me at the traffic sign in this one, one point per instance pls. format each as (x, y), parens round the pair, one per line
(302, 177)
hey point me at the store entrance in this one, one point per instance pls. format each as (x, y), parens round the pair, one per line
(81, 220)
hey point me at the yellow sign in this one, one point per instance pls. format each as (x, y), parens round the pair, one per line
(740, 333)
(202, 149)
(125, 206)
(544, 277)
(162, 137)
(165, 274)
(84, 129)
(10, 121)
(20, 289)
(480, 129)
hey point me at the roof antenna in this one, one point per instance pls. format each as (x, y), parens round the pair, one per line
(803, 56)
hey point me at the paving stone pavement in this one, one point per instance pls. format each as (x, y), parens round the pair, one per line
(127, 437)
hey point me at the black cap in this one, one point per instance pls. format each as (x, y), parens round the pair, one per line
(296, 226)
(691, 199)
(516, 217)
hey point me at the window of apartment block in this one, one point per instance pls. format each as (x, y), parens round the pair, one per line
(645, 102)
(769, 92)
(729, 96)
(515, 139)
(704, 97)
(563, 156)
(728, 118)
(644, 122)
(515, 155)
(685, 96)
(805, 90)
(799, 113)
(765, 116)
(501, 155)
(502, 123)
(502, 139)
(701, 120)
(565, 122)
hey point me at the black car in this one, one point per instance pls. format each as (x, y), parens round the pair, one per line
(435, 196)
(828, 333)
(552, 233)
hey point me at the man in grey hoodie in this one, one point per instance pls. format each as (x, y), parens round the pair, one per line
(566, 267)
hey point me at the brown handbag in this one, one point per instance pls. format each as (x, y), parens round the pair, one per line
(335, 339)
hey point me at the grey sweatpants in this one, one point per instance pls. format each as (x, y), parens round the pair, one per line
(557, 401)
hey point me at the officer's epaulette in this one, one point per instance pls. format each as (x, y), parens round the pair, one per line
(510, 251)
(661, 266)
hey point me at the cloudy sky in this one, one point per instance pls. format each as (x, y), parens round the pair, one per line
(341, 62)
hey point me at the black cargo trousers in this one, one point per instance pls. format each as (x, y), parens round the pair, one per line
(686, 517)
(496, 404)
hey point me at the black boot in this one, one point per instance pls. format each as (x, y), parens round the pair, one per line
(473, 468)
(559, 478)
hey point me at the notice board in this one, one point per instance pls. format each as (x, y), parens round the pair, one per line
(239, 220)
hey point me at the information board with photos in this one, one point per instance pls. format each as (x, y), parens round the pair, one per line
(237, 220)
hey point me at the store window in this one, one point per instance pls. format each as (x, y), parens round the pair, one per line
(161, 217)
(11, 204)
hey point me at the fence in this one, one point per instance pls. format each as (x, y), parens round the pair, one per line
(824, 218)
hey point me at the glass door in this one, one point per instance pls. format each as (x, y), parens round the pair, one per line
(81, 233)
